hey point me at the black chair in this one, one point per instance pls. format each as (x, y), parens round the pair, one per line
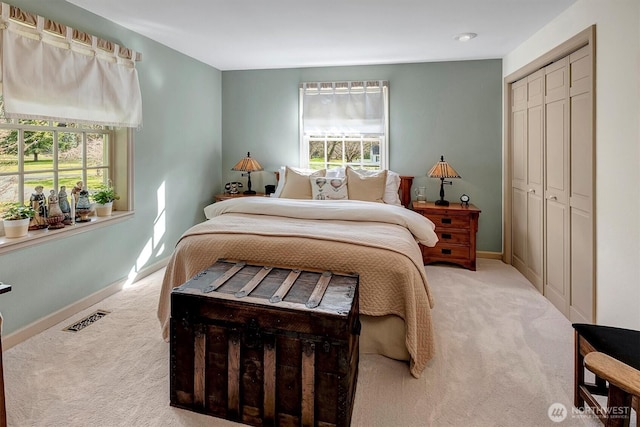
(613, 355)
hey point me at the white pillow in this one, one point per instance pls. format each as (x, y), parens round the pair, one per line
(323, 188)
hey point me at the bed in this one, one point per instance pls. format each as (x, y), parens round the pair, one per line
(376, 240)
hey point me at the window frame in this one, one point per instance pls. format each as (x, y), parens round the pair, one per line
(304, 139)
(120, 172)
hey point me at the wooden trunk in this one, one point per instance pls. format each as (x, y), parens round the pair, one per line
(266, 346)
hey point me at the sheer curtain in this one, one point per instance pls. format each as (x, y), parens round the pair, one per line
(344, 107)
(53, 72)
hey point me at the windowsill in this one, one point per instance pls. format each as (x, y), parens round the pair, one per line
(36, 237)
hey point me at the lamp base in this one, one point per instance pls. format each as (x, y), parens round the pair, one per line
(253, 192)
(442, 202)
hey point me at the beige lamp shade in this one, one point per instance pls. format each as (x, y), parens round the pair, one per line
(247, 164)
(443, 169)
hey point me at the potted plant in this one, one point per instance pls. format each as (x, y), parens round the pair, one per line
(104, 197)
(16, 220)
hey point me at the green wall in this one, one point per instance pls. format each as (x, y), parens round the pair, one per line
(198, 122)
(442, 108)
(177, 159)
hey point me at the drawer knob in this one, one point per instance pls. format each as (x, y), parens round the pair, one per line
(446, 251)
(446, 235)
(446, 220)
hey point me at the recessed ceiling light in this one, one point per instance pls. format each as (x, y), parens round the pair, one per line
(465, 37)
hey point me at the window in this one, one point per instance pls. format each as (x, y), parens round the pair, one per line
(56, 154)
(344, 123)
(51, 154)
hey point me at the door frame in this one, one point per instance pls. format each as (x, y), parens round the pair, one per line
(587, 37)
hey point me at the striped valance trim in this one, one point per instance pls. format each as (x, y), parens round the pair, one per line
(60, 30)
(348, 86)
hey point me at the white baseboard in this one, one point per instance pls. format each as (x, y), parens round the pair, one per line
(489, 255)
(56, 317)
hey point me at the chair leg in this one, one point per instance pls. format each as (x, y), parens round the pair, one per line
(618, 408)
(578, 377)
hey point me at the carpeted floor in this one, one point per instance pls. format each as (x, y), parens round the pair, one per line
(504, 356)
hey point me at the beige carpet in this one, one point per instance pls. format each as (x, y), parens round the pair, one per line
(504, 355)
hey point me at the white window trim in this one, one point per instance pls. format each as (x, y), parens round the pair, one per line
(304, 141)
(121, 158)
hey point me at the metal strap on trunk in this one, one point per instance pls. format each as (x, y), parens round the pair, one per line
(253, 283)
(285, 286)
(226, 276)
(319, 290)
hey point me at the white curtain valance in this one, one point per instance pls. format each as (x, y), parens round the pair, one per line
(53, 72)
(344, 107)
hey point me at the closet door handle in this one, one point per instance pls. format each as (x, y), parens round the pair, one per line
(552, 198)
(531, 190)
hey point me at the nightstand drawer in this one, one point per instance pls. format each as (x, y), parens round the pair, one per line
(446, 236)
(453, 221)
(442, 251)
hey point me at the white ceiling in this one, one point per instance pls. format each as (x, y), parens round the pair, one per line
(259, 34)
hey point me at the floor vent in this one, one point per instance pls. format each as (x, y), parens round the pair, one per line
(80, 325)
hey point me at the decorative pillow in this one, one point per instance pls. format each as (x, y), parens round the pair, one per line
(369, 188)
(296, 183)
(324, 188)
(392, 186)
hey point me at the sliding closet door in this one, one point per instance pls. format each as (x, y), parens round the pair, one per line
(556, 278)
(581, 200)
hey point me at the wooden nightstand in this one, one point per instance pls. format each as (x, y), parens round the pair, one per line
(226, 196)
(456, 227)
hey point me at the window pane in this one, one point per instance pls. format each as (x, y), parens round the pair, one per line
(69, 179)
(96, 178)
(69, 150)
(316, 153)
(96, 150)
(352, 152)
(372, 154)
(334, 150)
(8, 190)
(8, 150)
(32, 180)
(38, 150)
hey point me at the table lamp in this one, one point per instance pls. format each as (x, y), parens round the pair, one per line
(443, 170)
(248, 165)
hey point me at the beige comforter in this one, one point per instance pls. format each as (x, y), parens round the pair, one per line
(375, 240)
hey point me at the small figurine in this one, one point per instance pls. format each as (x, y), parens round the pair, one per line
(63, 202)
(55, 216)
(83, 207)
(38, 203)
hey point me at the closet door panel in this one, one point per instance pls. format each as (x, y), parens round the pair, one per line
(557, 229)
(519, 229)
(535, 240)
(582, 271)
(519, 175)
(555, 159)
(556, 286)
(519, 149)
(582, 307)
(535, 178)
